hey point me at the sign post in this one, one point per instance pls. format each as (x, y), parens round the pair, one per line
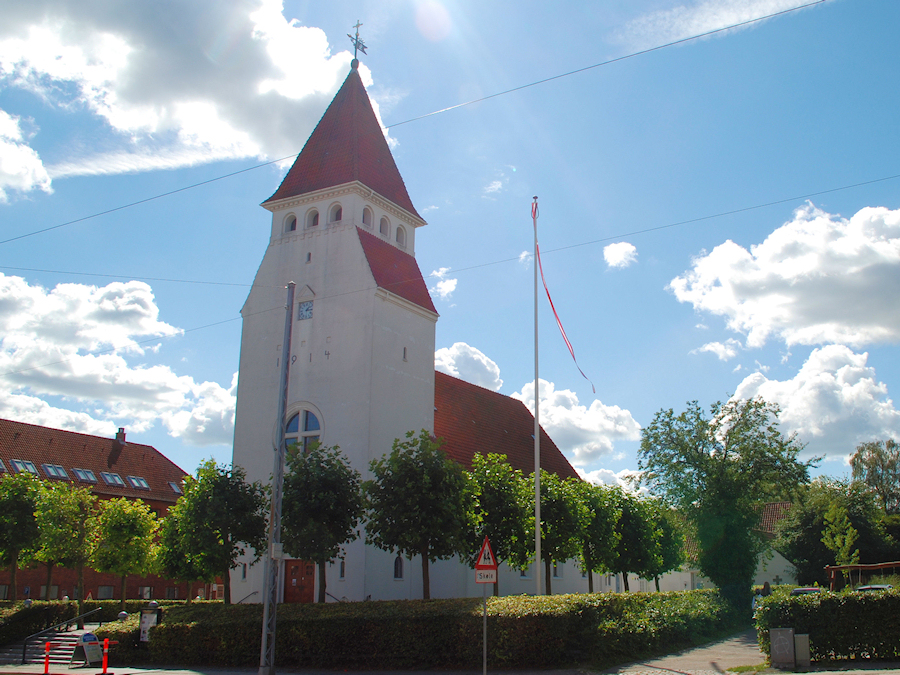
(485, 573)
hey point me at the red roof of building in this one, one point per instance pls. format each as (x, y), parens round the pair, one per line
(472, 419)
(769, 516)
(45, 446)
(347, 145)
(395, 270)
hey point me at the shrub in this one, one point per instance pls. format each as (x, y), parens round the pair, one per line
(19, 621)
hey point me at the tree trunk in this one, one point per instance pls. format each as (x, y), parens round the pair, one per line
(321, 581)
(13, 568)
(625, 581)
(547, 589)
(657, 584)
(227, 579)
(590, 581)
(49, 580)
(123, 592)
(426, 582)
(80, 595)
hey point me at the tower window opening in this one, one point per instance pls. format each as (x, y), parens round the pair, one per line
(367, 217)
(312, 219)
(290, 225)
(384, 227)
(401, 236)
(302, 431)
(336, 214)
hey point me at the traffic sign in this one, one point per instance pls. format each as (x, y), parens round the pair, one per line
(486, 576)
(486, 559)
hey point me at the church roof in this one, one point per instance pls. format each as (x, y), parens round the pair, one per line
(347, 145)
(395, 270)
(472, 419)
(70, 450)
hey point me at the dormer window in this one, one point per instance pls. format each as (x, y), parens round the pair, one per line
(384, 227)
(367, 217)
(312, 219)
(138, 482)
(401, 236)
(55, 471)
(24, 466)
(176, 488)
(290, 224)
(84, 475)
(336, 214)
(113, 479)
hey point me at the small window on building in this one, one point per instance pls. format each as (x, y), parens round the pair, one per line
(404, 353)
(55, 471)
(308, 256)
(85, 475)
(384, 227)
(138, 482)
(4, 592)
(54, 593)
(401, 236)
(112, 479)
(557, 571)
(243, 570)
(145, 592)
(367, 217)
(312, 219)
(171, 592)
(303, 429)
(23, 465)
(523, 573)
(290, 225)
(337, 214)
(176, 488)
(398, 567)
(342, 573)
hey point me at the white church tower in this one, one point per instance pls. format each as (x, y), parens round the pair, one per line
(362, 360)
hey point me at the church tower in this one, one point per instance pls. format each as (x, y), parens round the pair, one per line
(362, 359)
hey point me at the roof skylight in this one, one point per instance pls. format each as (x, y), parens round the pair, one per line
(113, 479)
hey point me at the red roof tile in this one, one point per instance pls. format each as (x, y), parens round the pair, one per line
(395, 270)
(347, 145)
(43, 445)
(770, 514)
(472, 420)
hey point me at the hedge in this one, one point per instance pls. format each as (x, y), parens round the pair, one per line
(523, 631)
(840, 626)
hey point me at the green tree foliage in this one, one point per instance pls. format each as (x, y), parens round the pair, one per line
(598, 538)
(67, 520)
(636, 537)
(126, 533)
(322, 506)
(562, 516)
(877, 464)
(718, 470)
(417, 503)
(173, 554)
(799, 533)
(221, 516)
(19, 534)
(502, 510)
(668, 543)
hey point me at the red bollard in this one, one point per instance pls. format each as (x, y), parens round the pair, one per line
(105, 654)
(46, 658)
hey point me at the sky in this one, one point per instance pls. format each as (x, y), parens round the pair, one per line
(719, 216)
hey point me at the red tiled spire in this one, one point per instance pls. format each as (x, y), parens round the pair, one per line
(347, 145)
(395, 270)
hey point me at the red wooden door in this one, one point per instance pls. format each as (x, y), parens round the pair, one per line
(299, 580)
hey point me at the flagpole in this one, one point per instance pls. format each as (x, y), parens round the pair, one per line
(537, 416)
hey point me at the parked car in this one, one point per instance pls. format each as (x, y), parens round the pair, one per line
(873, 588)
(806, 590)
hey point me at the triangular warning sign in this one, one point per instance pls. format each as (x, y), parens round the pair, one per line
(486, 559)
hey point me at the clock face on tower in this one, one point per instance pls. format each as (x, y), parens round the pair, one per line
(305, 310)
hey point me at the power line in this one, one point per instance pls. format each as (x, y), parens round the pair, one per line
(431, 114)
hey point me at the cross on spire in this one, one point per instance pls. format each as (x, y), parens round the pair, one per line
(358, 45)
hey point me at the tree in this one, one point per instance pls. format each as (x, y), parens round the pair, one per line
(839, 536)
(636, 537)
(719, 470)
(19, 495)
(220, 518)
(562, 517)
(502, 511)
(126, 530)
(598, 538)
(877, 464)
(67, 519)
(322, 506)
(799, 533)
(668, 543)
(173, 556)
(417, 503)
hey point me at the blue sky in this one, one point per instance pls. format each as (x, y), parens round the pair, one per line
(719, 217)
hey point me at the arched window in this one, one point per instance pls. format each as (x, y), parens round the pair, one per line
(336, 214)
(384, 227)
(401, 236)
(290, 223)
(398, 567)
(302, 431)
(312, 219)
(367, 217)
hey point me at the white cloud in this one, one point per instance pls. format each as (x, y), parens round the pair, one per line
(232, 80)
(724, 350)
(696, 18)
(493, 186)
(444, 287)
(833, 403)
(20, 166)
(817, 279)
(620, 254)
(584, 433)
(469, 364)
(607, 477)
(82, 344)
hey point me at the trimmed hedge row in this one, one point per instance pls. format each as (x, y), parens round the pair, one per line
(545, 631)
(840, 625)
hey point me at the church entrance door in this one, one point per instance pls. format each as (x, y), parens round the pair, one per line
(299, 581)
